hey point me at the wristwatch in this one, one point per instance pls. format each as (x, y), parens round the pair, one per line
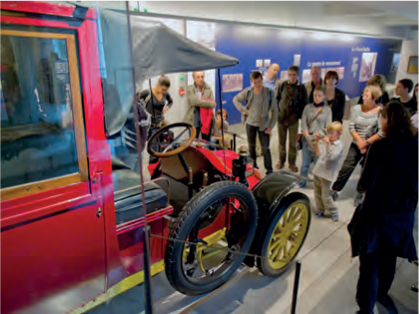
(368, 143)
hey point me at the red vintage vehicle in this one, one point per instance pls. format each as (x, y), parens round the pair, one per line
(72, 212)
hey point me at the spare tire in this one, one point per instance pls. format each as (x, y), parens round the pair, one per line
(184, 262)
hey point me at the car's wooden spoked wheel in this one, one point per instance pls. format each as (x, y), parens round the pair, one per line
(288, 235)
(212, 235)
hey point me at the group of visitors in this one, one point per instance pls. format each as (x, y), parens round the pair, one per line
(384, 142)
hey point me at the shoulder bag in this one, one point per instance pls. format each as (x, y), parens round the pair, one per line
(299, 142)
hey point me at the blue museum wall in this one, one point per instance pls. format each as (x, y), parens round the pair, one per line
(248, 44)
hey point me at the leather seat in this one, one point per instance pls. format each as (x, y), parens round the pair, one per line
(128, 197)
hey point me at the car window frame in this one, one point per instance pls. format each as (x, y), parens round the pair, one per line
(78, 122)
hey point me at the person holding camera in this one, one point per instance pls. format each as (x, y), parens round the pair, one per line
(292, 98)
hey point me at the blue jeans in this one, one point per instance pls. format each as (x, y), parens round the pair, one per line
(305, 166)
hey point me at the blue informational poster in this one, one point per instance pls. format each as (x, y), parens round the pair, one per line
(356, 59)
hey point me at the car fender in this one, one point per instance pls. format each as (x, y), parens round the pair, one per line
(272, 193)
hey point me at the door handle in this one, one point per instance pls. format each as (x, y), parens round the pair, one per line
(99, 212)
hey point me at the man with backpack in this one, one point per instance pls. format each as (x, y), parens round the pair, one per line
(292, 98)
(260, 114)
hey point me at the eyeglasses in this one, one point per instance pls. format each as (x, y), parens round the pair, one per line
(332, 133)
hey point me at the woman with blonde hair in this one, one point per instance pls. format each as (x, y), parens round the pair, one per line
(380, 81)
(365, 129)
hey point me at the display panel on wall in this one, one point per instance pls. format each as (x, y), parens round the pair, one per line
(356, 59)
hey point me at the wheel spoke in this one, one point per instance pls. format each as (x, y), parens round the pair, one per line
(281, 252)
(180, 135)
(289, 253)
(275, 244)
(290, 213)
(285, 251)
(296, 223)
(277, 231)
(295, 215)
(276, 252)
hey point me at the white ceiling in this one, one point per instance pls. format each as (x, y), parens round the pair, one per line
(380, 18)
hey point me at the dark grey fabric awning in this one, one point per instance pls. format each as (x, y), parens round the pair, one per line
(156, 50)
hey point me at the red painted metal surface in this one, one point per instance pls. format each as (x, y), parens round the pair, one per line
(56, 249)
(59, 257)
(54, 244)
(39, 7)
(48, 8)
(98, 149)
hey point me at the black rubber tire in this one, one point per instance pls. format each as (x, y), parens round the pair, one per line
(187, 219)
(262, 263)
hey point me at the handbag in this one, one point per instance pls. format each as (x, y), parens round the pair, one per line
(299, 141)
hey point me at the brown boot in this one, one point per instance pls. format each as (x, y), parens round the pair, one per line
(293, 168)
(280, 165)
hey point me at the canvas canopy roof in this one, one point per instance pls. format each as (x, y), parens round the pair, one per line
(156, 50)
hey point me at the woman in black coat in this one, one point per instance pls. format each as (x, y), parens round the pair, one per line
(335, 98)
(384, 224)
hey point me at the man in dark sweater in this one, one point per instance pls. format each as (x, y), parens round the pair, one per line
(403, 89)
(292, 98)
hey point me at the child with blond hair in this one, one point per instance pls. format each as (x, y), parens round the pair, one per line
(329, 149)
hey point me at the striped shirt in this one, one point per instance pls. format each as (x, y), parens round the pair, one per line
(366, 125)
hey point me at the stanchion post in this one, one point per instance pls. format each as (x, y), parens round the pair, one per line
(296, 284)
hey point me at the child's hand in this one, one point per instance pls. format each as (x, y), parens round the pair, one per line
(326, 140)
(317, 137)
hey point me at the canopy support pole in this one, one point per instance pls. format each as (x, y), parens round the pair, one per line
(220, 97)
(148, 302)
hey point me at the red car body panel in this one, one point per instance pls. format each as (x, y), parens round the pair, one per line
(61, 247)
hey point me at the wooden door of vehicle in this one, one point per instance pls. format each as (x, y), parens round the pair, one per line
(53, 254)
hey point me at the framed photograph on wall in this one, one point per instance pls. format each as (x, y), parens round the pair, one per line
(232, 82)
(412, 66)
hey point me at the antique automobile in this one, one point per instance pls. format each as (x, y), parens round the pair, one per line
(72, 213)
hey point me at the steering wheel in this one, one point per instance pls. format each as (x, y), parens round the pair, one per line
(173, 148)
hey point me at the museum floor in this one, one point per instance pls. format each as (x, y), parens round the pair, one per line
(328, 276)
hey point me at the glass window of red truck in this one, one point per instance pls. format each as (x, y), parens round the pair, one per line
(42, 129)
